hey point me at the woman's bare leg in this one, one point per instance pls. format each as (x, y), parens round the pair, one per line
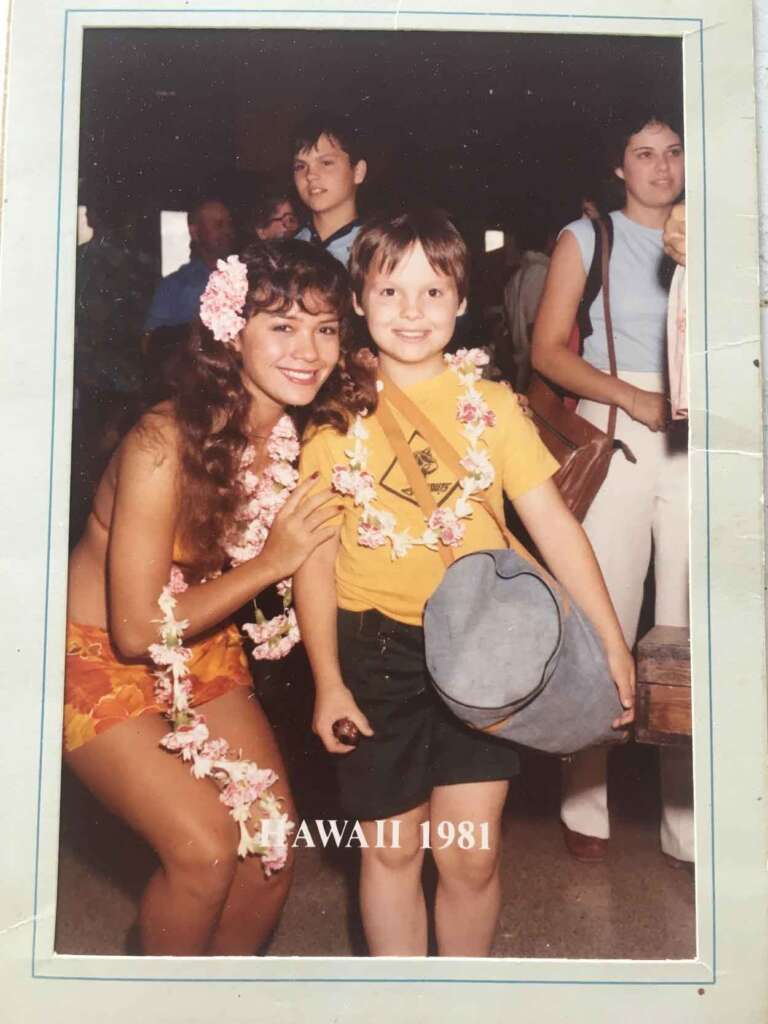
(254, 902)
(391, 895)
(468, 888)
(189, 828)
(180, 817)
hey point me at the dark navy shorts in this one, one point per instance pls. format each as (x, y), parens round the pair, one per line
(418, 744)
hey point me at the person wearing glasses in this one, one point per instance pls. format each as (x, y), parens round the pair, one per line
(274, 216)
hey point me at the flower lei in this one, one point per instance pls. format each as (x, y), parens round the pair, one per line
(377, 527)
(265, 494)
(242, 783)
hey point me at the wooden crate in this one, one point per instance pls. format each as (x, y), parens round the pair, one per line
(663, 706)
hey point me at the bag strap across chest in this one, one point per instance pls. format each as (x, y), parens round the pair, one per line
(392, 395)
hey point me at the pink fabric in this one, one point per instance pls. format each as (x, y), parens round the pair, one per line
(676, 330)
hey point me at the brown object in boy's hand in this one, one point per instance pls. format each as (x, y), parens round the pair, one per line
(346, 732)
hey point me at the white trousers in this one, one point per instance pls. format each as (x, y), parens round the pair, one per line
(641, 508)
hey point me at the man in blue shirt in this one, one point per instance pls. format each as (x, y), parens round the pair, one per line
(177, 297)
(328, 169)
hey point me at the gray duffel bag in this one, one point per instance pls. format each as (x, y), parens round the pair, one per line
(509, 654)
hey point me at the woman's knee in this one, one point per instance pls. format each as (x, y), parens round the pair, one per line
(252, 883)
(201, 857)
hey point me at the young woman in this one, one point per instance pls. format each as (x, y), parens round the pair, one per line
(204, 482)
(642, 506)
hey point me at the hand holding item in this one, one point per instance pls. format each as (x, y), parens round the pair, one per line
(674, 234)
(338, 721)
(346, 732)
(651, 408)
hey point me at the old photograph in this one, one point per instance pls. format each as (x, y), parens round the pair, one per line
(383, 513)
(526, 144)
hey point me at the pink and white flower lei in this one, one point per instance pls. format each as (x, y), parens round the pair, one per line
(242, 783)
(377, 527)
(265, 495)
(222, 302)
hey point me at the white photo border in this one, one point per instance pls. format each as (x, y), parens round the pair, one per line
(708, 439)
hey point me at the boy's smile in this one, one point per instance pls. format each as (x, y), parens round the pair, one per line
(411, 312)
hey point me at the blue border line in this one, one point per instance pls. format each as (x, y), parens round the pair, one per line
(359, 13)
(708, 493)
(379, 981)
(346, 980)
(50, 492)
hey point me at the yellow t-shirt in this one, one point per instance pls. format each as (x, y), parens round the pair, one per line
(399, 588)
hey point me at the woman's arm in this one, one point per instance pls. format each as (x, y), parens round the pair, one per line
(567, 551)
(142, 531)
(551, 356)
(314, 591)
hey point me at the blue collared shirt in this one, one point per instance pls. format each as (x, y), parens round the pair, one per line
(177, 297)
(339, 244)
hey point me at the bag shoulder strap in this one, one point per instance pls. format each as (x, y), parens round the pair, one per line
(448, 454)
(408, 463)
(594, 280)
(606, 235)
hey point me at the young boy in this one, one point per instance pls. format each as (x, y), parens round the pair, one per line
(328, 169)
(360, 599)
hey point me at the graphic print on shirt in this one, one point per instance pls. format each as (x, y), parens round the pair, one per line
(441, 481)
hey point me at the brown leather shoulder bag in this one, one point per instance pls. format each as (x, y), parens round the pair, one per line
(583, 450)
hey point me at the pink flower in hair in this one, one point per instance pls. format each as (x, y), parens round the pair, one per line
(222, 303)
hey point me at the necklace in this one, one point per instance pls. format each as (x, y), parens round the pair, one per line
(377, 526)
(265, 494)
(242, 783)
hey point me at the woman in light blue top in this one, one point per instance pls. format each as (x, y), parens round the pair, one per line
(641, 510)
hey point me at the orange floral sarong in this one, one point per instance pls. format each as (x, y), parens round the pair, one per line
(102, 690)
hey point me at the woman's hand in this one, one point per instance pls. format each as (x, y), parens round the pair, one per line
(622, 667)
(299, 528)
(674, 234)
(650, 408)
(331, 704)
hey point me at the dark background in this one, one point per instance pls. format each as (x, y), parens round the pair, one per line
(501, 129)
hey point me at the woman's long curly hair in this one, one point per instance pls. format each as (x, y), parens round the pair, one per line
(212, 405)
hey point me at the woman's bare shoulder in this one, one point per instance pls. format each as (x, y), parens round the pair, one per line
(153, 441)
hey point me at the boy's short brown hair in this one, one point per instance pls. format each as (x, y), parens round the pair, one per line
(383, 241)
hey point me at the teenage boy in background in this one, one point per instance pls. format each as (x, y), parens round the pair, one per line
(328, 169)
